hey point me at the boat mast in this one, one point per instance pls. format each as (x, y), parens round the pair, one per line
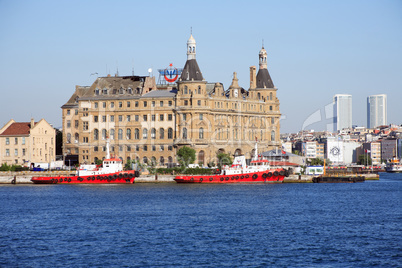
(107, 148)
(255, 150)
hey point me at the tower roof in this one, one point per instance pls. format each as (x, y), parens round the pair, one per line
(264, 79)
(191, 71)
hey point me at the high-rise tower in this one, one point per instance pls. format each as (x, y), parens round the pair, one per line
(342, 111)
(376, 110)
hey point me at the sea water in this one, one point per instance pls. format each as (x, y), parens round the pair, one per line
(201, 225)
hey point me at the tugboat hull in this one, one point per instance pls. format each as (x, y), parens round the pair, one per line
(270, 176)
(112, 178)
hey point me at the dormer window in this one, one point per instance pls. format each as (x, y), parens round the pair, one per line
(130, 90)
(104, 91)
(121, 91)
(97, 91)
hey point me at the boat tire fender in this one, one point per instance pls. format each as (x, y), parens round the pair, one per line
(255, 176)
(211, 179)
(201, 179)
(222, 178)
(276, 173)
(264, 175)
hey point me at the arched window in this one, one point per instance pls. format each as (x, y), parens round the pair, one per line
(170, 159)
(128, 134)
(120, 134)
(137, 134)
(201, 133)
(112, 134)
(161, 161)
(161, 133)
(273, 135)
(76, 137)
(121, 91)
(153, 161)
(170, 133)
(96, 134)
(184, 133)
(104, 134)
(199, 89)
(201, 157)
(145, 133)
(68, 138)
(153, 133)
(145, 160)
(258, 95)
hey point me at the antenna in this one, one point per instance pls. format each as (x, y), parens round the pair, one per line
(263, 43)
(133, 68)
(191, 30)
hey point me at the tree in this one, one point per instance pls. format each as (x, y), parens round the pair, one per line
(364, 159)
(185, 155)
(224, 159)
(317, 161)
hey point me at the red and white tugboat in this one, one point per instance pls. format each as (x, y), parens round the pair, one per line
(259, 170)
(111, 172)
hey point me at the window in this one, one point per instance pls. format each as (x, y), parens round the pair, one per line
(161, 103)
(137, 148)
(68, 112)
(128, 104)
(199, 103)
(201, 116)
(23, 140)
(136, 104)
(85, 125)
(153, 133)
(273, 135)
(104, 104)
(153, 103)
(76, 123)
(153, 118)
(199, 89)
(153, 148)
(7, 152)
(15, 140)
(103, 118)
(104, 91)
(120, 148)
(170, 103)
(120, 118)
(186, 102)
(137, 118)
(170, 133)
(137, 134)
(96, 134)
(85, 139)
(145, 160)
(120, 134)
(16, 152)
(145, 104)
(270, 108)
(96, 149)
(76, 111)
(185, 90)
(184, 117)
(23, 152)
(170, 117)
(201, 133)
(96, 105)
(8, 141)
(128, 148)
(270, 96)
(121, 91)
(112, 118)
(112, 105)
(161, 133)
(145, 148)
(145, 117)
(170, 148)
(184, 133)
(95, 118)
(130, 90)
(161, 148)
(112, 134)
(68, 123)
(120, 104)
(145, 133)
(68, 138)
(128, 118)
(128, 134)
(104, 134)
(76, 137)
(161, 117)
(272, 120)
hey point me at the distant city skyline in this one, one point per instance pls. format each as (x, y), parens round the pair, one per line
(315, 49)
(376, 110)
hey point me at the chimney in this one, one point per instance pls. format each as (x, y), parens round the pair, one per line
(253, 78)
(32, 122)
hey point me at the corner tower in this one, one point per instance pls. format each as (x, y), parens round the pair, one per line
(191, 71)
(263, 78)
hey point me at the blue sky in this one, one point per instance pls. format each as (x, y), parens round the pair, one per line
(316, 49)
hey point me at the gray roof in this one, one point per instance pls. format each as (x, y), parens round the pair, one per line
(274, 153)
(160, 94)
(191, 71)
(264, 79)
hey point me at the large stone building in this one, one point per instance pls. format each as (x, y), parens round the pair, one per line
(148, 123)
(22, 143)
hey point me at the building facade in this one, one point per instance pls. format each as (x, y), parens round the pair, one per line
(342, 111)
(22, 143)
(149, 124)
(376, 110)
